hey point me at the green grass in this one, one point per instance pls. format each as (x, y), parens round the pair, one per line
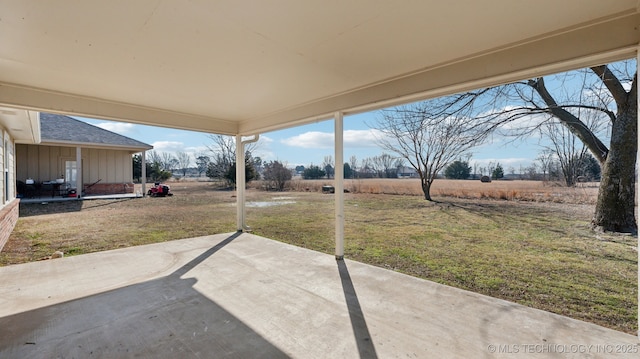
(537, 256)
(540, 255)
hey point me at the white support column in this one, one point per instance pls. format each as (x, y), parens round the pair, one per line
(241, 180)
(79, 172)
(143, 174)
(339, 184)
(240, 185)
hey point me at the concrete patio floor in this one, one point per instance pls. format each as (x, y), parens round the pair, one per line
(243, 296)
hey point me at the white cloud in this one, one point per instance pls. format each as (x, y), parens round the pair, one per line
(196, 149)
(118, 127)
(316, 139)
(265, 139)
(266, 155)
(168, 146)
(312, 139)
(173, 147)
(362, 138)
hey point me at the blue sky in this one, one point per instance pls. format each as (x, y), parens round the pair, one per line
(309, 144)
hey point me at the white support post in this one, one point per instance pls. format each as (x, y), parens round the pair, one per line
(240, 186)
(143, 175)
(79, 172)
(241, 181)
(339, 184)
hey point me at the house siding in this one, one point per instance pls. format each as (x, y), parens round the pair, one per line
(108, 166)
(112, 169)
(9, 209)
(3, 196)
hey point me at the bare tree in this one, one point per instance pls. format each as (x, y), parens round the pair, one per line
(202, 162)
(568, 150)
(545, 158)
(532, 171)
(276, 175)
(222, 149)
(366, 168)
(376, 166)
(183, 161)
(163, 160)
(428, 138)
(353, 163)
(168, 161)
(608, 92)
(223, 155)
(158, 164)
(385, 165)
(154, 157)
(327, 166)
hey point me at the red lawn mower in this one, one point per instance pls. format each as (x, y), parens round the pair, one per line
(159, 190)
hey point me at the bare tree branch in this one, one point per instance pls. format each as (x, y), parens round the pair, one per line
(611, 82)
(573, 123)
(428, 143)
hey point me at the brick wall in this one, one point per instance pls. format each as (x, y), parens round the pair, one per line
(108, 188)
(8, 218)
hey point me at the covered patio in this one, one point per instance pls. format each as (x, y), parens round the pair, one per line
(243, 68)
(237, 295)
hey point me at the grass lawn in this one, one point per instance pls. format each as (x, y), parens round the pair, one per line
(540, 254)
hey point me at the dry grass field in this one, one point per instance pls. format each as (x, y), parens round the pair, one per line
(526, 242)
(536, 191)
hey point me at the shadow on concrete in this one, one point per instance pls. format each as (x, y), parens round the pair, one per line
(201, 258)
(358, 322)
(160, 318)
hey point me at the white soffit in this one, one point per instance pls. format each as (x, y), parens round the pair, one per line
(250, 66)
(23, 126)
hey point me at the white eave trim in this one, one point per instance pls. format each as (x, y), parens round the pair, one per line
(95, 145)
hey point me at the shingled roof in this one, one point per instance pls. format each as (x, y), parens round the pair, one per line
(64, 129)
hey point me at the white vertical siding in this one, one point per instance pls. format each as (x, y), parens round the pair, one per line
(102, 166)
(44, 163)
(111, 169)
(3, 197)
(91, 165)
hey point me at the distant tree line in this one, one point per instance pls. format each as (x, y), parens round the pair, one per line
(161, 166)
(547, 167)
(382, 166)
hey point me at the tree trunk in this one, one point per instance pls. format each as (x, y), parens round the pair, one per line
(426, 189)
(615, 207)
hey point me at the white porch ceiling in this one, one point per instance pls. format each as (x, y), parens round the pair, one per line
(244, 67)
(23, 125)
